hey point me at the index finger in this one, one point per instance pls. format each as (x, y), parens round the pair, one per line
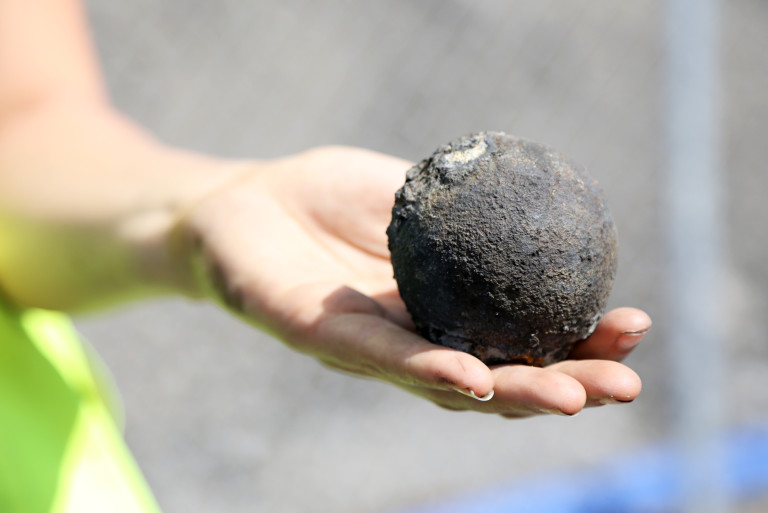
(616, 335)
(382, 349)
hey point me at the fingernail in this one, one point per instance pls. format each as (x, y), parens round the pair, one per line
(471, 393)
(614, 400)
(555, 411)
(629, 339)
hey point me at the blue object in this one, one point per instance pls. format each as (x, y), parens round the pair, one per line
(648, 481)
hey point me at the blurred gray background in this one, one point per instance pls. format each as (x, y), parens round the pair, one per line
(223, 418)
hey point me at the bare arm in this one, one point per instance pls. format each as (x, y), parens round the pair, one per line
(87, 199)
(45, 52)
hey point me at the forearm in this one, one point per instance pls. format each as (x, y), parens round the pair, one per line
(87, 200)
(45, 51)
(87, 207)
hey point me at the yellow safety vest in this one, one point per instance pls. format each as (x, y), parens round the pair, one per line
(61, 444)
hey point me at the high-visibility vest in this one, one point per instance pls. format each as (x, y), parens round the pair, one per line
(61, 443)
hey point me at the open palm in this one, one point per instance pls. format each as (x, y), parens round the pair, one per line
(298, 247)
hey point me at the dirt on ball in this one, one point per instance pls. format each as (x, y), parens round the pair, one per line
(503, 248)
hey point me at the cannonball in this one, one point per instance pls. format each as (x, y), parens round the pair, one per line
(503, 248)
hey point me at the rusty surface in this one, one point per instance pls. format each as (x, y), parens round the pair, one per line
(503, 248)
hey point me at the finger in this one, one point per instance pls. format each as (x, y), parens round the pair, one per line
(604, 381)
(617, 334)
(379, 348)
(522, 390)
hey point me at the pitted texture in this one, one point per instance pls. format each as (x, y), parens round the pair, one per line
(503, 248)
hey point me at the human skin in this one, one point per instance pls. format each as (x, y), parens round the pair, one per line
(96, 212)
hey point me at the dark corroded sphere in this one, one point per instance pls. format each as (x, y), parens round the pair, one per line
(502, 248)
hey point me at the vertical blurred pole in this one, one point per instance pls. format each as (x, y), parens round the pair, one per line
(694, 232)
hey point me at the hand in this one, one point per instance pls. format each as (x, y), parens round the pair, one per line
(298, 247)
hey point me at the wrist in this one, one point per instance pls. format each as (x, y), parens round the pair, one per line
(88, 203)
(164, 245)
